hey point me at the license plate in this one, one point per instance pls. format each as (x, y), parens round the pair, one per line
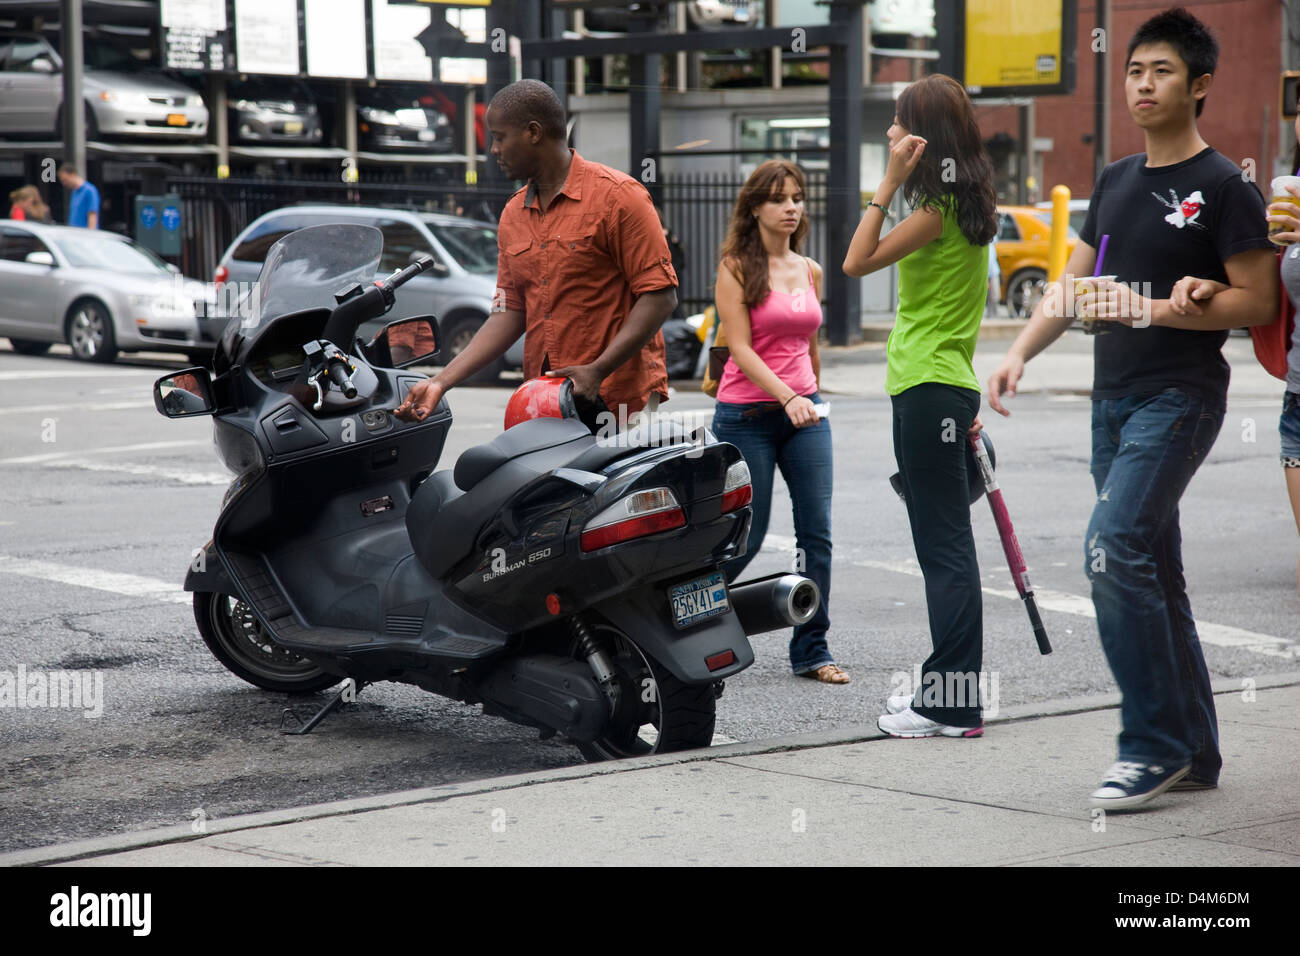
(698, 600)
(177, 119)
(425, 135)
(293, 127)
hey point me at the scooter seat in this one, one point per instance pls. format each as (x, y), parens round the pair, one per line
(450, 508)
(437, 552)
(526, 437)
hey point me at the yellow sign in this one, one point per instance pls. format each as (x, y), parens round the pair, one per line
(471, 176)
(1016, 44)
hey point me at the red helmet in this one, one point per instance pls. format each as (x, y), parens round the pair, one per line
(541, 398)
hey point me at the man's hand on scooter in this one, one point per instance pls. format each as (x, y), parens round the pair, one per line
(1004, 381)
(586, 380)
(422, 399)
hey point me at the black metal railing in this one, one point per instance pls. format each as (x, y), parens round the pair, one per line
(697, 206)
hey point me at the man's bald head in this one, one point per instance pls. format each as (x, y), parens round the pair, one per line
(528, 101)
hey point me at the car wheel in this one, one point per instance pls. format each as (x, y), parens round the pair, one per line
(89, 331)
(459, 331)
(1024, 290)
(29, 347)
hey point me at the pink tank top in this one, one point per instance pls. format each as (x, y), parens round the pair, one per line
(779, 329)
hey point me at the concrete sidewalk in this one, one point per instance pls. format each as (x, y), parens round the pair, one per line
(1016, 797)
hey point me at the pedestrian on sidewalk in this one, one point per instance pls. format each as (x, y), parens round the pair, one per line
(1191, 292)
(1159, 394)
(27, 205)
(83, 204)
(583, 271)
(936, 156)
(769, 303)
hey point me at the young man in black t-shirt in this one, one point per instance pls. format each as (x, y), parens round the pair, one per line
(1159, 394)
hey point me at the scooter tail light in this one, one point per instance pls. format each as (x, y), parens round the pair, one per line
(220, 276)
(637, 515)
(737, 490)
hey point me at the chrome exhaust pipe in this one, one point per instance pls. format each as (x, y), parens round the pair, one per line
(775, 602)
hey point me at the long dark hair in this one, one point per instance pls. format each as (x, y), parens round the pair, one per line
(744, 243)
(955, 163)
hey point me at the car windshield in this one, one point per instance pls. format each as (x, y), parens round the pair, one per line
(307, 267)
(89, 250)
(472, 245)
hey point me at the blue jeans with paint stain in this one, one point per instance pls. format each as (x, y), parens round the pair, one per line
(763, 433)
(1145, 450)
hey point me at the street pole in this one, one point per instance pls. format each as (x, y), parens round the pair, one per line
(1101, 91)
(74, 116)
(844, 187)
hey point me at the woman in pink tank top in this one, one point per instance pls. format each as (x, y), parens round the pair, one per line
(768, 299)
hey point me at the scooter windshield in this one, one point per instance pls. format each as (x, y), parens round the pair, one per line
(304, 270)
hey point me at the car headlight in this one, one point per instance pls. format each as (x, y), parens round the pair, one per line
(193, 101)
(383, 117)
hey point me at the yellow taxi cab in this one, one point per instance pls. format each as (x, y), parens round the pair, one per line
(1023, 243)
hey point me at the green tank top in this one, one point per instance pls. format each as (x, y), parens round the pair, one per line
(941, 293)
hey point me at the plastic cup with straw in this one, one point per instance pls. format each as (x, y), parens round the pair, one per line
(1093, 326)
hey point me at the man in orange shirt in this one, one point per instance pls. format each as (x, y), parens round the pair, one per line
(583, 270)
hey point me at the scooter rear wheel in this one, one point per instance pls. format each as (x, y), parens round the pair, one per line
(652, 711)
(236, 638)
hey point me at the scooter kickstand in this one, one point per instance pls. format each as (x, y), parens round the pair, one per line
(348, 692)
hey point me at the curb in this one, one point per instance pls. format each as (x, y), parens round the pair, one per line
(101, 846)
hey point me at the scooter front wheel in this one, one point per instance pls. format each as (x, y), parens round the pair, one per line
(236, 638)
(651, 711)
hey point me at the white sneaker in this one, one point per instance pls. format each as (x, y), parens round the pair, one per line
(908, 723)
(898, 704)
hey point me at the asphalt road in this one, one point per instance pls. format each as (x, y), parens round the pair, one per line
(105, 501)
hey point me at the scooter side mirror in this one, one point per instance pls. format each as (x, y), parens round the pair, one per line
(404, 343)
(184, 393)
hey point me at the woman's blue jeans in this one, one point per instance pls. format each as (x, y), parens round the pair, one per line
(1145, 450)
(764, 435)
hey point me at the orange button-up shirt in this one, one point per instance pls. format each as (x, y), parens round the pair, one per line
(575, 270)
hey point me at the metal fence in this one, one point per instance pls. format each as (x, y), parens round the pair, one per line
(215, 211)
(697, 206)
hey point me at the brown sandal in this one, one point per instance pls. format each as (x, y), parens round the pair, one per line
(828, 674)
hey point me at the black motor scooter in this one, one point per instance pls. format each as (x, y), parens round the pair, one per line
(565, 583)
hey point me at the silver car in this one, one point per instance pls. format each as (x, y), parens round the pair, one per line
(117, 104)
(97, 291)
(459, 295)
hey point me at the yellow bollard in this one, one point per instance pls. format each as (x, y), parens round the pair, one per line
(1060, 223)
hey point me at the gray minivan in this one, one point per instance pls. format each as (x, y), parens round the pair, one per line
(460, 295)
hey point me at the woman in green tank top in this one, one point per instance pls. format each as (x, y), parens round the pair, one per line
(937, 158)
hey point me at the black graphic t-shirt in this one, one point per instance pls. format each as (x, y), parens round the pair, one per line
(1166, 222)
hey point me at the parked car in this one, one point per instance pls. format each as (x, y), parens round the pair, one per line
(459, 294)
(1023, 244)
(1078, 212)
(700, 15)
(99, 292)
(117, 103)
(273, 111)
(390, 119)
